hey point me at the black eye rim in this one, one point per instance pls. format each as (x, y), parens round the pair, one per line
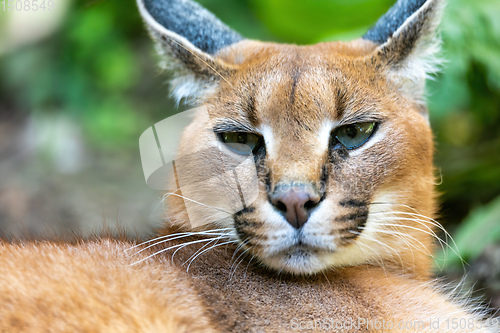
(337, 129)
(258, 145)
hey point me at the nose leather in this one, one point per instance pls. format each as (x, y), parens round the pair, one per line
(295, 201)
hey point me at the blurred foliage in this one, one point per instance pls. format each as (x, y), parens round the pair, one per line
(479, 230)
(465, 113)
(306, 22)
(92, 69)
(471, 36)
(98, 69)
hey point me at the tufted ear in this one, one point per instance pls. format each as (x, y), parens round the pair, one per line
(408, 43)
(188, 38)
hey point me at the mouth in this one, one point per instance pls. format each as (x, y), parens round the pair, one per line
(289, 250)
(298, 259)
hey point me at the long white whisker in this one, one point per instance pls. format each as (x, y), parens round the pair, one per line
(434, 222)
(186, 234)
(381, 243)
(403, 236)
(441, 242)
(248, 265)
(380, 262)
(399, 233)
(231, 271)
(210, 248)
(391, 217)
(171, 239)
(191, 259)
(240, 246)
(187, 244)
(399, 236)
(164, 197)
(395, 215)
(171, 247)
(432, 234)
(426, 220)
(417, 213)
(200, 203)
(201, 249)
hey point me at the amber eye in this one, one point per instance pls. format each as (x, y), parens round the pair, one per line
(355, 135)
(241, 142)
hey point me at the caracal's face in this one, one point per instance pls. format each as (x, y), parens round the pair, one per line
(342, 153)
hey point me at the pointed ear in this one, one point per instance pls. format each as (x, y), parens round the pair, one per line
(408, 43)
(188, 38)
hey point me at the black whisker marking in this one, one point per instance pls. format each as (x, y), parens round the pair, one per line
(353, 203)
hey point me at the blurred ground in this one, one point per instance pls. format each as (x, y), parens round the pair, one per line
(70, 188)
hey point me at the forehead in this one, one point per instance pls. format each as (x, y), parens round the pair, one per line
(299, 85)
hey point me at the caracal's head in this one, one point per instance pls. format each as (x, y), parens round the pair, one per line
(337, 135)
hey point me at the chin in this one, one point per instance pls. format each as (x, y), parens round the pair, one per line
(301, 260)
(298, 261)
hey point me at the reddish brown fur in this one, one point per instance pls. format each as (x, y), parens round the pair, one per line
(90, 287)
(93, 287)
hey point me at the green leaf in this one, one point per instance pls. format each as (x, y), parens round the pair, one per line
(305, 22)
(480, 229)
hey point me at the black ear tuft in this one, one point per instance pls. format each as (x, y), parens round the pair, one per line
(408, 44)
(388, 24)
(193, 22)
(188, 38)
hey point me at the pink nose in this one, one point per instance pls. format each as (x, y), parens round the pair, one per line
(295, 201)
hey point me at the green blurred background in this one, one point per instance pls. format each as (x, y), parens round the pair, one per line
(78, 85)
